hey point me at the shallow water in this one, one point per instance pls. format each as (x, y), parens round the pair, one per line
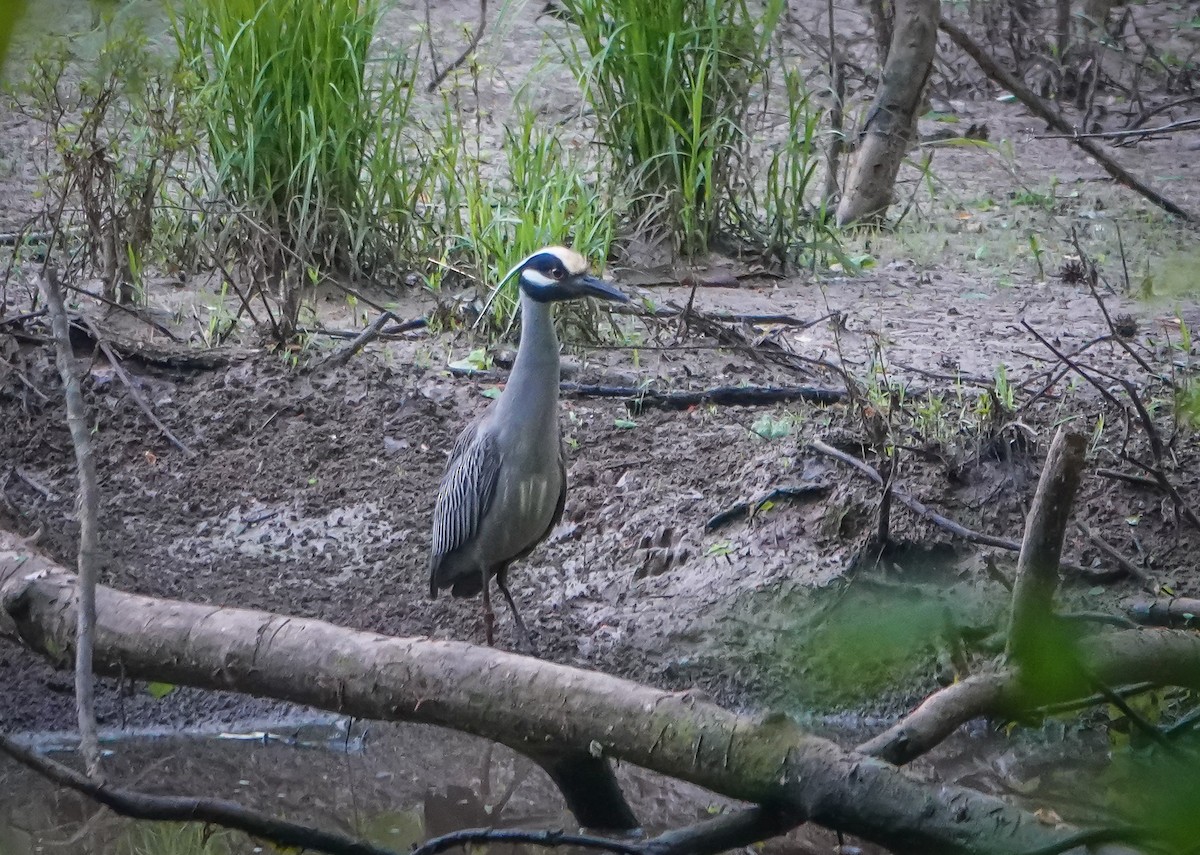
(396, 785)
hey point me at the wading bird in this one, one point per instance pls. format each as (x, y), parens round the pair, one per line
(506, 483)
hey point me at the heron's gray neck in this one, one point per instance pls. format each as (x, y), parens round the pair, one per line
(532, 387)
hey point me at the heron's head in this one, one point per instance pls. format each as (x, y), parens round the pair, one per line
(557, 273)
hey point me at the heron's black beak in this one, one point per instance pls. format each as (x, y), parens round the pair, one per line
(595, 287)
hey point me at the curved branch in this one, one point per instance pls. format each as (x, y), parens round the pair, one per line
(220, 812)
(1158, 656)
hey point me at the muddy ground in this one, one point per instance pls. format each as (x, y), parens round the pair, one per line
(310, 493)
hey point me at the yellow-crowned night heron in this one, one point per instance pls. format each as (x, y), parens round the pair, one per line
(506, 484)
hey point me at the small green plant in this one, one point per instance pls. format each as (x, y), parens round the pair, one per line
(118, 122)
(769, 426)
(775, 214)
(548, 197)
(672, 82)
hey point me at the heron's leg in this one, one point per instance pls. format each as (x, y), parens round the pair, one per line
(526, 641)
(489, 616)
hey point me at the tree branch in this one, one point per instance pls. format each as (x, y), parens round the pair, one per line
(220, 812)
(88, 503)
(532, 706)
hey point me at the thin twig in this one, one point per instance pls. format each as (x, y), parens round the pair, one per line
(134, 392)
(89, 503)
(914, 505)
(1172, 127)
(467, 51)
(220, 812)
(1112, 552)
(1136, 480)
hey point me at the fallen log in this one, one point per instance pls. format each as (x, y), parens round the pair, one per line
(538, 708)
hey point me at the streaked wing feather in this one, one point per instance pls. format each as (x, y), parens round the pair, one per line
(467, 490)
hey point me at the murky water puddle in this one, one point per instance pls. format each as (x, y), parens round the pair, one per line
(395, 785)
(398, 785)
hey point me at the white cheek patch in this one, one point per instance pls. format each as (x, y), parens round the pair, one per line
(534, 277)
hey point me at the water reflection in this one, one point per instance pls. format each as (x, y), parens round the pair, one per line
(396, 785)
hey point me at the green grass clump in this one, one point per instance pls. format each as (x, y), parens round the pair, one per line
(671, 83)
(306, 136)
(547, 197)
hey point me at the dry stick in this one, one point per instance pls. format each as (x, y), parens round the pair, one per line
(1172, 127)
(142, 403)
(1041, 548)
(467, 51)
(914, 505)
(220, 812)
(89, 502)
(1112, 552)
(736, 396)
(344, 354)
(1136, 480)
(1052, 117)
(837, 84)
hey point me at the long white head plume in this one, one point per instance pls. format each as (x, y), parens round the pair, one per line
(572, 260)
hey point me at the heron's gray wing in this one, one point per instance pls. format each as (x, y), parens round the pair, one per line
(467, 491)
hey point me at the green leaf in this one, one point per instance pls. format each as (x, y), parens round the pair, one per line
(492, 392)
(158, 691)
(625, 424)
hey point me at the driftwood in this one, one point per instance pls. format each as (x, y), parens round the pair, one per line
(538, 708)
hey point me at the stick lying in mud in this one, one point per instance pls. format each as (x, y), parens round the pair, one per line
(541, 709)
(921, 509)
(728, 396)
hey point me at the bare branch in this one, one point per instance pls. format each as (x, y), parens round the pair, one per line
(89, 503)
(347, 352)
(438, 77)
(220, 812)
